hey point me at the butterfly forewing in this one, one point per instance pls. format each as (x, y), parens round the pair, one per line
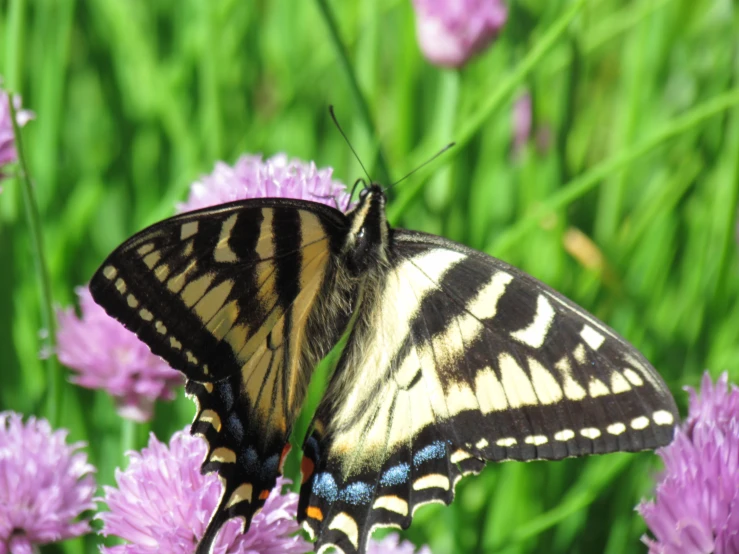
(217, 279)
(226, 295)
(465, 359)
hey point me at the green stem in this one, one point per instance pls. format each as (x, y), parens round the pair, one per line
(590, 179)
(14, 46)
(364, 110)
(128, 438)
(48, 322)
(494, 102)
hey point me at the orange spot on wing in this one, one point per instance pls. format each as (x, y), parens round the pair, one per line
(306, 468)
(314, 513)
(264, 494)
(285, 452)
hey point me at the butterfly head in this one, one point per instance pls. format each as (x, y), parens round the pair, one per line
(367, 240)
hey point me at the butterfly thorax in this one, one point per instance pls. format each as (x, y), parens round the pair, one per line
(366, 242)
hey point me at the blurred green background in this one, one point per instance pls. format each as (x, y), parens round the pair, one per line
(635, 145)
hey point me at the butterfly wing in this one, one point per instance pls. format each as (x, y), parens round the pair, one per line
(464, 359)
(226, 296)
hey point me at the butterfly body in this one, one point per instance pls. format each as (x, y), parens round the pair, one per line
(453, 358)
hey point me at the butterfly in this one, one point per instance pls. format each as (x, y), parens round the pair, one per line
(453, 359)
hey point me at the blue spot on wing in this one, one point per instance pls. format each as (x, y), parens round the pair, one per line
(433, 451)
(235, 427)
(226, 395)
(270, 467)
(395, 475)
(357, 493)
(325, 487)
(251, 460)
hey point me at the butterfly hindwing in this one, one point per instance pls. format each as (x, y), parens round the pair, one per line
(227, 295)
(464, 359)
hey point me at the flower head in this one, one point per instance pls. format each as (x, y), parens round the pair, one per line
(163, 504)
(277, 177)
(8, 153)
(452, 31)
(45, 484)
(696, 509)
(108, 356)
(392, 545)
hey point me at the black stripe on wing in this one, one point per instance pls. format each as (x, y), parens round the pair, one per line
(247, 417)
(197, 287)
(558, 381)
(247, 461)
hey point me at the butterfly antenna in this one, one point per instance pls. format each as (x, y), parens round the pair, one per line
(343, 134)
(354, 188)
(424, 164)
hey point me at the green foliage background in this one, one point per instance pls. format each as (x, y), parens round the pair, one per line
(637, 102)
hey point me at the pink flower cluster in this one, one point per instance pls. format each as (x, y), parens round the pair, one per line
(105, 355)
(163, 504)
(275, 177)
(45, 485)
(450, 32)
(696, 509)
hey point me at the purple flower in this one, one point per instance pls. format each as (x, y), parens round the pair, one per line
(450, 32)
(163, 504)
(696, 510)
(392, 545)
(278, 176)
(8, 153)
(108, 356)
(45, 484)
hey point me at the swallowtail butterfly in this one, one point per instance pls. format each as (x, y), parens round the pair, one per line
(453, 359)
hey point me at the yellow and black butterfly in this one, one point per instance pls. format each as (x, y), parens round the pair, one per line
(454, 358)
